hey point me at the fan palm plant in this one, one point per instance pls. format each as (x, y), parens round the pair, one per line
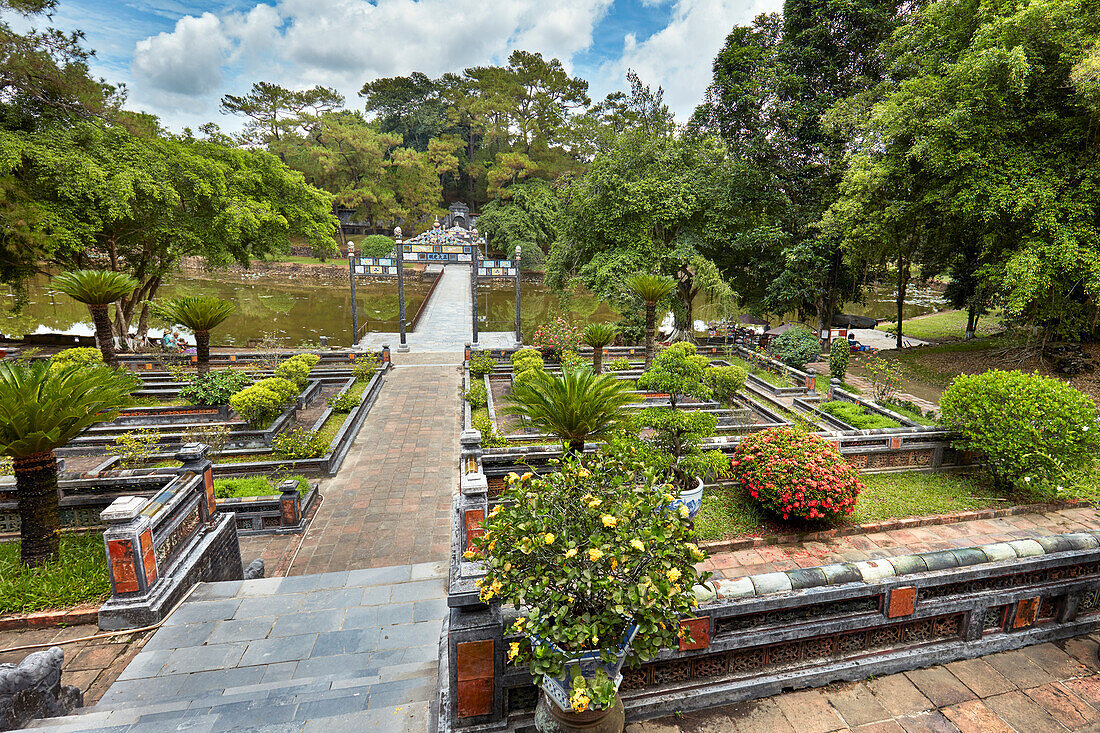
(599, 335)
(42, 409)
(574, 406)
(650, 288)
(98, 289)
(200, 314)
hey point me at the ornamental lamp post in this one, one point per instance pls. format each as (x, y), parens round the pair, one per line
(401, 347)
(354, 305)
(519, 334)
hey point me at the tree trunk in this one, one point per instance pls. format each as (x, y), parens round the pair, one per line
(202, 350)
(971, 320)
(650, 328)
(103, 334)
(597, 359)
(576, 446)
(143, 323)
(903, 281)
(39, 515)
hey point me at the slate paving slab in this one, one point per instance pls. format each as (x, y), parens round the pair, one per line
(318, 655)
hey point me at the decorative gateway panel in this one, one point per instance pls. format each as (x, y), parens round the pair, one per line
(170, 547)
(376, 266)
(438, 252)
(496, 268)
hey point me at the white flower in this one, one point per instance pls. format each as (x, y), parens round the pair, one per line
(1027, 478)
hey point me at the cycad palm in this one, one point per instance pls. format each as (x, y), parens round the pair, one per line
(42, 409)
(98, 289)
(599, 335)
(574, 406)
(650, 288)
(200, 314)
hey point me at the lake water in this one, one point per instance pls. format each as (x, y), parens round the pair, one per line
(298, 311)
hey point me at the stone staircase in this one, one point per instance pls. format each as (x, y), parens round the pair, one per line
(354, 650)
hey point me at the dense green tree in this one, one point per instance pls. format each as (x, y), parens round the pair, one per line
(410, 106)
(274, 111)
(982, 156)
(90, 195)
(527, 218)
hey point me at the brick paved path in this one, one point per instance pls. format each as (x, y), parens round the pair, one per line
(899, 542)
(90, 666)
(390, 504)
(1048, 687)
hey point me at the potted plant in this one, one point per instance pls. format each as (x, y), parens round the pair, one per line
(599, 574)
(679, 371)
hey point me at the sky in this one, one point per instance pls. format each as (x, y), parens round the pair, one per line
(178, 57)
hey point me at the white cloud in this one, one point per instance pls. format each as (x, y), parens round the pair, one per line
(679, 57)
(186, 62)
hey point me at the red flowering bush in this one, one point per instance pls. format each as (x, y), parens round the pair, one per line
(557, 336)
(796, 475)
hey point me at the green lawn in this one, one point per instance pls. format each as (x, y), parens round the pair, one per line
(945, 325)
(857, 415)
(239, 488)
(776, 380)
(728, 511)
(79, 576)
(914, 415)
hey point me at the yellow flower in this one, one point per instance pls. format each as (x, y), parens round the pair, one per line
(595, 503)
(681, 633)
(519, 625)
(513, 651)
(571, 552)
(496, 511)
(595, 554)
(668, 498)
(673, 575)
(683, 511)
(469, 554)
(579, 702)
(637, 545)
(696, 553)
(583, 473)
(526, 476)
(549, 538)
(614, 564)
(608, 520)
(492, 545)
(511, 477)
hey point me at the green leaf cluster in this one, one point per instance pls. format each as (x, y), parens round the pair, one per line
(583, 553)
(297, 368)
(215, 387)
(1032, 430)
(299, 443)
(725, 381)
(262, 402)
(482, 363)
(477, 395)
(795, 347)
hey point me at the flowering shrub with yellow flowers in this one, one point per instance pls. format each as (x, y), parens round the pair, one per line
(589, 555)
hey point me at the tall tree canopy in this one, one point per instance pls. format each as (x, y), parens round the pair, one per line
(983, 156)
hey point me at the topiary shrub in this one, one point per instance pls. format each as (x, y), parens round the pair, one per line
(375, 245)
(620, 364)
(214, 388)
(481, 364)
(365, 366)
(796, 475)
(296, 369)
(795, 347)
(527, 376)
(263, 401)
(525, 359)
(839, 355)
(725, 381)
(477, 395)
(299, 443)
(1031, 429)
(81, 355)
(343, 402)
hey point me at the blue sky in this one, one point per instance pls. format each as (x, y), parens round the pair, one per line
(178, 57)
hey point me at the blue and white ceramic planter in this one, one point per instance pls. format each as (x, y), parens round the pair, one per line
(560, 688)
(691, 499)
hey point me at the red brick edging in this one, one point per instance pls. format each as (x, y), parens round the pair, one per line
(747, 543)
(43, 619)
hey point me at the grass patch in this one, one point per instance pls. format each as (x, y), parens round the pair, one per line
(910, 412)
(850, 388)
(943, 326)
(79, 576)
(728, 511)
(157, 402)
(775, 380)
(239, 488)
(332, 424)
(857, 415)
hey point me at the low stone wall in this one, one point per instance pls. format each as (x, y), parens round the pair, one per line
(765, 634)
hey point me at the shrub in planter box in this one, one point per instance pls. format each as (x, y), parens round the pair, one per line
(796, 475)
(296, 369)
(263, 401)
(588, 553)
